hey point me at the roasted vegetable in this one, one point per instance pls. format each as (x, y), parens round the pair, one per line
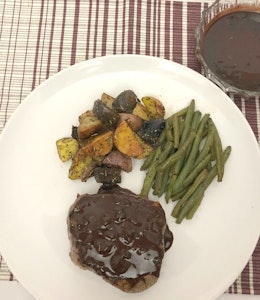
(129, 143)
(89, 124)
(106, 115)
(151, 130)
(107, 175)
(141, 111)
(88, 113)
(133, 121)
(125, 102)
(118, 159)
(89, 170)
(67, 148)
(154, 106)
(79, 162)
(107, 100)
(100, 144)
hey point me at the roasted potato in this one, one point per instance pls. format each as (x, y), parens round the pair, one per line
(88, 113)
(125, 102)
(154, 106)
(133, 121)
(79, 163)
(141, 111)
(100, 144)
(107, 100)
(129, 143)
(106, 115)
(118, 159)
(67, 148)
(151, 130)
(89, 124)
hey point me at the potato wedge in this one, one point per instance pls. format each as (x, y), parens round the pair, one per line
(133, 121)
(107, 100)
(154, 106)
(67, 148)
(128, 142)
(141, 111)
(79, 163)
(89, 124)
(88, 113)
(100, 144)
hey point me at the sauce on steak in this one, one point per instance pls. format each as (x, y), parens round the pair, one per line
(120, 236)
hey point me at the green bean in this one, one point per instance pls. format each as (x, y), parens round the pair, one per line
(178, 154)
(195, 120)
(164, 182)
(184, 135)
(196, 170)
(168, 148)
(169, 187)
(193, 153)
(187, 122)
(157, 183)
(206, 148)
(169, 132)
(176, 131)
(153, 156)
(199, 179)
(218, 152)
(148, 181)
(195, 207)
(162, 138)
(180, 194)
(193, 200)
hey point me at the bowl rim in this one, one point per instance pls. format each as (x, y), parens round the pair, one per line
(226, 87)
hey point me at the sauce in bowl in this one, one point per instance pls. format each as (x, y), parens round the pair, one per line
(231, 47)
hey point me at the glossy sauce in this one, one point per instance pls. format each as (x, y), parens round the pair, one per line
(118, 234)
(231, 48)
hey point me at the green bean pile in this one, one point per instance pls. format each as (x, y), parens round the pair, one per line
(188, 156)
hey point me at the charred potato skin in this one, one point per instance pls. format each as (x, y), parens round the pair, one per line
(125, 102)
(106, 115)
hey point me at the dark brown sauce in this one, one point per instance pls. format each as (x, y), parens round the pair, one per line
(231, 48)
(118, 234)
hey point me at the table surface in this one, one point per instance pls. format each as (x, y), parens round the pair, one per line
(40, 38)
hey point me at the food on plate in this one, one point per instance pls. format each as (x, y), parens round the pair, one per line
(120, 236)
(183, 152)
(129, 143)
(151, 130)
(110, 134)
(99, 145)
(88, 125)
(117, 159)
(188, 156)
(154, 106)
(125, 102)
(67, 148)
(80, 163)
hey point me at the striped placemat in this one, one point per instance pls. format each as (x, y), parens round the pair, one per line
(38, 38)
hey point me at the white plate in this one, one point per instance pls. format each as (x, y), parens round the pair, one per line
(209, 251)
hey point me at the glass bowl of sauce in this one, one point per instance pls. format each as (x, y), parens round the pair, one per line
(228, 45)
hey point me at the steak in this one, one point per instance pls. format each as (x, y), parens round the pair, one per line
(120, 236)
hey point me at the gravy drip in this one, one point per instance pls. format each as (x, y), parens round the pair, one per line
(119, 235)
(231, 48)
